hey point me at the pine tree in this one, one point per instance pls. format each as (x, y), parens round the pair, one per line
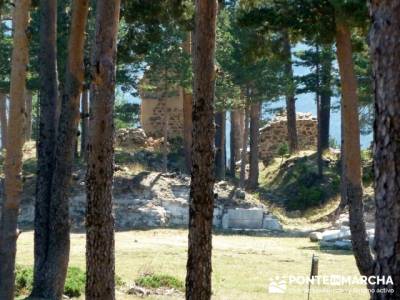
(13, 160)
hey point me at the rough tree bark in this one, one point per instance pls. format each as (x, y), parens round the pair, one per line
(320, 160)
(165, 134)
(187, 112)
(85, 123)
(236, 138)
(14, 145)
(198, 278)
(47, 139)
(100, 257)
(255, 110)
(220, 161)
(3, 119)
(385, 49)
(351, 148)
(290, 96)
(326, 93)
(235, 141)
(56, 264)
(28, 107)
(243, 154)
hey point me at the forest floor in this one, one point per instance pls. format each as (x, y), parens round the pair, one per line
(243, 265)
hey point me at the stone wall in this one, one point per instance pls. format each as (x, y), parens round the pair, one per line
(274, 134)
(153, 111)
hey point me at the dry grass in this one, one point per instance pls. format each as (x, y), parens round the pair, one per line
(242, 265)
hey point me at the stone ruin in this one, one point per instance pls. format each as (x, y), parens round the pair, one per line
(157, 200)
(153, 112)
(274, 134)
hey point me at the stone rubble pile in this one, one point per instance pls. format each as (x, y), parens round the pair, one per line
(339, 238)
(130, 137)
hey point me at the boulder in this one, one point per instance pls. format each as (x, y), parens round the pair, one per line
(242, 218)
(337, 234)
(336, 245)
(271, 223)
(315, 236)
(130, 137)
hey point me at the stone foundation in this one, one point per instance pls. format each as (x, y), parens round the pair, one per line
(161, 200)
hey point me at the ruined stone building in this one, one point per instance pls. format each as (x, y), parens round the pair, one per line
(153, 111)
(274, 134)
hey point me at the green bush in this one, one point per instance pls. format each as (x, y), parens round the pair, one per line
(155, 281)
(74, 284)
(306, 197)
(23, 280)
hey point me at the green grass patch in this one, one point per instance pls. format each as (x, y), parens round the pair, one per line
(155, 281)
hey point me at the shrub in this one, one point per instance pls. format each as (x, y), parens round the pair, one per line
(23, 280)
(306, 197)
(74, 284)
(155, 281)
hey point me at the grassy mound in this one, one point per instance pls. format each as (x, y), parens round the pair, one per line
(293, 182)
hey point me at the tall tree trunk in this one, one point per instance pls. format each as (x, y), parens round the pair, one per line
(13, 159)
(48, 97)
(85, 123)
(28, 107)
(243, 154)
(58, 234)
(351, 148)
(187, 112)
(165, 137)
(290, 95)
(343, 185)
(326, 93)
(220, 161)
(233, 143)
(198, 278)
(385, 48)
(236, 138)
(320, 160)
(100, 257)
(255, 110)
(3, 119)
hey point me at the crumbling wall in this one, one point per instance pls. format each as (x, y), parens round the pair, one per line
(274, 134)
(153, 111)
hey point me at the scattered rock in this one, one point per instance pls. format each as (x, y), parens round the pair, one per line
(315, 236)
(336, 245)
(240, 194)
(138, 291)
